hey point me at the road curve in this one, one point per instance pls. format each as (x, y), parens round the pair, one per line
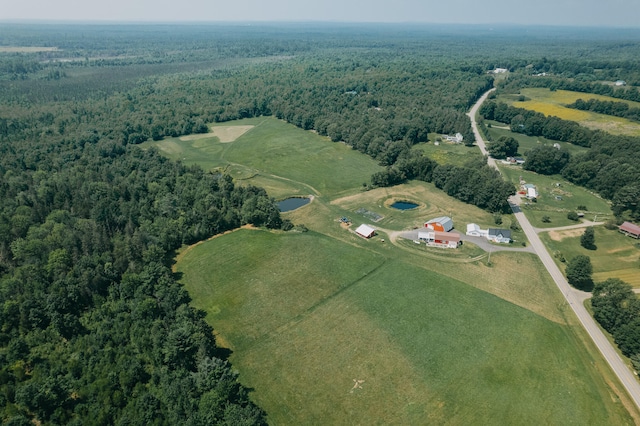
(574, 298)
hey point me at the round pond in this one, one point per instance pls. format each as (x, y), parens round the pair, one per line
(404, 205)
(293, 203)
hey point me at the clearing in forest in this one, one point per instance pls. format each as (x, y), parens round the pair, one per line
(426, 339)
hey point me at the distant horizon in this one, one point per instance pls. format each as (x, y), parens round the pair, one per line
(569, 13)
(488, 25)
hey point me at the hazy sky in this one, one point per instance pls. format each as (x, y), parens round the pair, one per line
(549, 12)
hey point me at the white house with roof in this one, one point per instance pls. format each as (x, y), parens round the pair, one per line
(457, 138)
(473, 230)
(499, 235)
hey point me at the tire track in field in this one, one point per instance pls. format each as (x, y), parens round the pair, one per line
(311, 309)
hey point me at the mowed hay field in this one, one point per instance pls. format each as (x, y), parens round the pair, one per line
(616, 256)
(552, 103)
(275, 155)
(328, 332)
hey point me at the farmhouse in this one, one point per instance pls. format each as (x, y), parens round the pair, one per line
(458, 138)
(443, 224)
(630, 230)
(440, 239)
(474, 230)
(499, 235)
(365, 231)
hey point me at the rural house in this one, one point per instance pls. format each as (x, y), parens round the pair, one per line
(440, 239)
(443, 224)
(630, 230)
(365, 231)
(473, 230)
(499, 235)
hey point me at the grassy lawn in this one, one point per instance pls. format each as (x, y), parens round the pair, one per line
(552, 103)
(616, 256)
(571, 196)
(305, 315)
(447, 152)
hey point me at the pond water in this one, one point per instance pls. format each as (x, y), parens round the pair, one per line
(293, 203)
(404, 205)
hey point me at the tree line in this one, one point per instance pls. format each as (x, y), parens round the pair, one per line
(617, 109)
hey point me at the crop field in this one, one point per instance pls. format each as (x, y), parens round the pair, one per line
(552, 103)
(616, 256)
(336, 333)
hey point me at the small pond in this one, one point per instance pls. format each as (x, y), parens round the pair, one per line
(404, 205)
(293, 203)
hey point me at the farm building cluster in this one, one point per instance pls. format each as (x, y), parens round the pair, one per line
(436, 233)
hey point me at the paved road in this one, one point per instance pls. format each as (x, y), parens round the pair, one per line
(575, 298)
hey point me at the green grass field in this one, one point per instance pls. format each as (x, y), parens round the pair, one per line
(279, 157)
(552, 103)
(330, 328)
(616, 256)
(305, 315)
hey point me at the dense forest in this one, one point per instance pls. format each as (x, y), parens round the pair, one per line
(94, 327)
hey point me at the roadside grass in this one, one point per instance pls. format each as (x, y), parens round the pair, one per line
(616, 256)
(551, 103)
(571, 196)
(305, 315)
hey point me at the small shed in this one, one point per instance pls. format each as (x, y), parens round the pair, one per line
(630, 230)
(365, 231)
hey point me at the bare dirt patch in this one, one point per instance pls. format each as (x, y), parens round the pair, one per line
(569, 233)
(228, 134)
(196, 137)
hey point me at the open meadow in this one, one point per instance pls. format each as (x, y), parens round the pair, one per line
(552, 103)
(335, 333)
(616, 256)
(329, 328)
